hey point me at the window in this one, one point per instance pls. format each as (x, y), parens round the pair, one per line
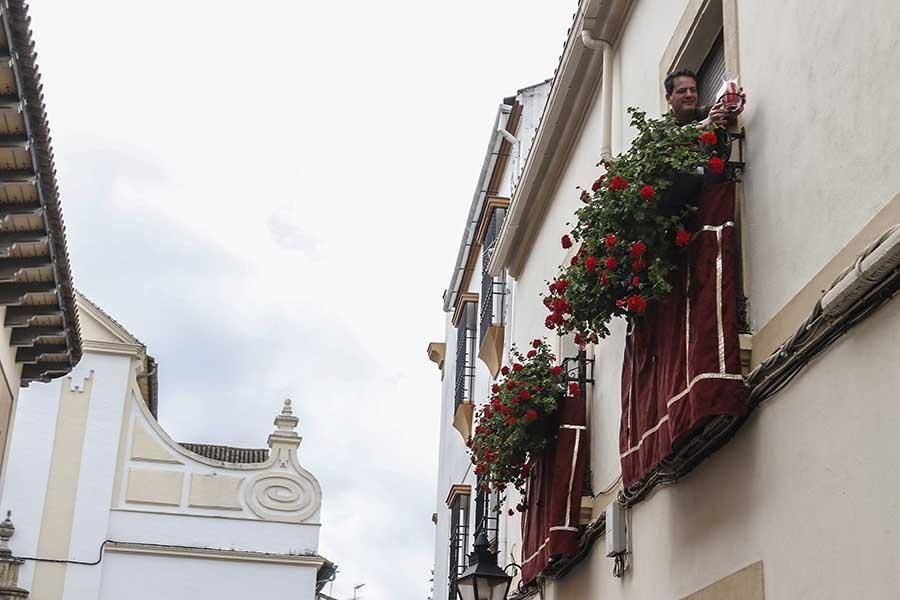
(459, 540)
(712, 72)
(465, 354)
(493, 289)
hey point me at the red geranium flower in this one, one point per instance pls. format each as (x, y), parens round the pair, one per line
(639, 264)
(548, 301)
(531, 416)
(590, 264)
(604, 279)
(525, 395)
(647, 192)
(566, 242)
(682, 238)
(638, 249)
(611, 240)
(517, 367)
(510, 385)
(556, 370)
(505, 370)
(578, 339)
(716, 165)
(536, 343)
(574, 260)
(495, 388)
(635, 281)
(709, 138)
(636, 304)
(510, 420)
(561, 285)
(618, 184)
(531, 354)
(495, 403)
(611, 263)
(505, 409)
(549, 324)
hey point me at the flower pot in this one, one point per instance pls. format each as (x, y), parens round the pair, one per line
(685, 188)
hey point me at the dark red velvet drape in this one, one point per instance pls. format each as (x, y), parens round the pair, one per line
(550, 525)
(682, 364)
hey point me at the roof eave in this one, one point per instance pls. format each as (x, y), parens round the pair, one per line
(574, 86)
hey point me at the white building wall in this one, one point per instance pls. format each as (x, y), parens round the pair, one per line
(454, 464)
(821, 133)
(29, 466)
(820, 149)
(193, 579)
(90, 468)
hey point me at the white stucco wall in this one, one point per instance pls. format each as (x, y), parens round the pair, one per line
(821, 133)
(808, 486)
(454, 465)
(153, 577)
(821, 450)
(28, 467)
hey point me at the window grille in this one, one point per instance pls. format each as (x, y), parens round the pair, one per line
(465, 355)
(459, 541)
(493, 289)
(487, 513)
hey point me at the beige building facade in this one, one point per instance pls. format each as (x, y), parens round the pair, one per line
(767, 515)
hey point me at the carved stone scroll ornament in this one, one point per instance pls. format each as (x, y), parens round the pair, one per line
(289, 494)
(283, 497)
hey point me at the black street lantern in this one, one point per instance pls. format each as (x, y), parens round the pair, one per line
(483, 579)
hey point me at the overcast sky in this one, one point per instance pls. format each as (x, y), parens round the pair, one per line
(271, 195)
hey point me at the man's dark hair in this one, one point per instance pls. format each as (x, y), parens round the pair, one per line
(669, 83)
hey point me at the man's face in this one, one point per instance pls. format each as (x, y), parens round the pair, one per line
(683, 99)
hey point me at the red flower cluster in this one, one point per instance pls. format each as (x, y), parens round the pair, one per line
(709, 138)
(618, 184)
(716, 165)
(638, 249)
(636, 304)
(506, 439)
(628, 244)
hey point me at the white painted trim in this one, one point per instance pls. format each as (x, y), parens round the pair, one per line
(215, 554)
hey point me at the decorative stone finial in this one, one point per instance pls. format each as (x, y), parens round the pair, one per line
(284, 434)
(6, 532)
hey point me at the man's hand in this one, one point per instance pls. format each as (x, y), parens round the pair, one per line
(719, 115)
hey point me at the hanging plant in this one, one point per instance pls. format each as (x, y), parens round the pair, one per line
(630, 229)
(513, 428)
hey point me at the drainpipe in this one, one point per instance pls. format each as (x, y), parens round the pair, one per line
(593, 43)
(514, 151)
